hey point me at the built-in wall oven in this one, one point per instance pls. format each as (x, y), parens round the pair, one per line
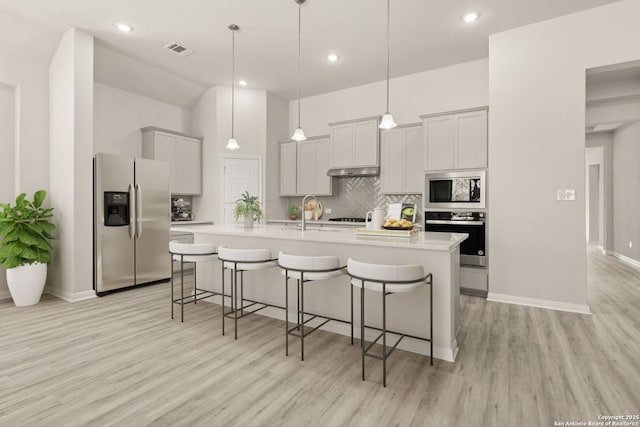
(455, 190)
(473, 250)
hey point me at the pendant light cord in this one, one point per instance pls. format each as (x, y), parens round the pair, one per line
(299, 54)
(388, 12)
(233, 78)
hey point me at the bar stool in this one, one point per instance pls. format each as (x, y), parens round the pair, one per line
(239, 261)
(388, 279)
(307, 269)
(189, 253)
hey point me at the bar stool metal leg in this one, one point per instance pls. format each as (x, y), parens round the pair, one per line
(195, 288)
(223, 300)
(241, 293)
(181, 288)
(172, 295)
(362, 326)
(431, 318)
(235, 302)
(351, 291)
(302, 324)
(286, 312)
(384, 334)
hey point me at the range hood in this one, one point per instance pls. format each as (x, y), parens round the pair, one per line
(357, 171)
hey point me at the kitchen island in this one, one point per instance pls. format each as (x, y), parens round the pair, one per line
(438, 253)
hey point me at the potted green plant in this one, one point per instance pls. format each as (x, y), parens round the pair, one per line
(25, 249)
(248, 207)
(293, 211)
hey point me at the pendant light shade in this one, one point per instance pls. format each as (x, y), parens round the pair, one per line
(232, 144)
(387, 121)
(298, 134)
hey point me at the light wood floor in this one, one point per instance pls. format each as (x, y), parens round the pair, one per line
(120, 360)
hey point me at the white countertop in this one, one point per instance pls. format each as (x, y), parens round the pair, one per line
(188, 223)
(319, 222)
(338, 235)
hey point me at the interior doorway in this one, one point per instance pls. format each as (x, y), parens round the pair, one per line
(240, 174)
(612, 180)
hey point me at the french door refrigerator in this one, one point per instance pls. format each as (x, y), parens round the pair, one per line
(131, 222)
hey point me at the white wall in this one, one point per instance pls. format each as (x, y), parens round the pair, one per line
(603, 157)
(24, 133)
(536, 142)
(211, 119)
(119, 115)
(626, 191)
(594, 208)
(71, 148)
(277, 130)
(444, 89)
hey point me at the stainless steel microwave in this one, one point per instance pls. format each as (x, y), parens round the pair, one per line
(455, 190)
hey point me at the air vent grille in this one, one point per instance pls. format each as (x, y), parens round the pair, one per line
(179, 49)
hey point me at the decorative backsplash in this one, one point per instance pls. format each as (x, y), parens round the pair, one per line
(357, 195)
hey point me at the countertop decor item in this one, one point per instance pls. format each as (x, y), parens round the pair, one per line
(25, 249)
(293, 211)
(248, 207)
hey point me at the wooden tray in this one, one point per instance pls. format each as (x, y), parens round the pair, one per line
(387, 233)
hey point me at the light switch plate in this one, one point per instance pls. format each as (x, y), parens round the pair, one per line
(327, 210)
(566, 194)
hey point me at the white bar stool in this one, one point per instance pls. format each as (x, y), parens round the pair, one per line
(191, 253)
(239, 261)
(388, 279)
(308, 269)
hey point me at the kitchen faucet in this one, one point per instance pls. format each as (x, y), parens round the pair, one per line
(304, 202)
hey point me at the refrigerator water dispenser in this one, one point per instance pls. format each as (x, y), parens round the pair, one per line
(116, 209)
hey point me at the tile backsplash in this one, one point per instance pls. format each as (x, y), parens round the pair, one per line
(357, 195)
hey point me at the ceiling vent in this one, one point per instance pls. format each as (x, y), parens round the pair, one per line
(179, 49)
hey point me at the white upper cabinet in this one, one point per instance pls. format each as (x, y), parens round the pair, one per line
(313, 164)
(401, 169)
(288, 162)
(354, 143)
(455, 141)
(182, 152)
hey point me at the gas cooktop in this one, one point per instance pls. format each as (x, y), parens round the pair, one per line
(347, 219)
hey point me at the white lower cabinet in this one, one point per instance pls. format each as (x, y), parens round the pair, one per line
(473, 281)
(401, 167)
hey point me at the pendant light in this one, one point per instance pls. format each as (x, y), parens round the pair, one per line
(298, 134)
(232, 144)
(387, 121)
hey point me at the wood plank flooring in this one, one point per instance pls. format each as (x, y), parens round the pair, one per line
(121, 361)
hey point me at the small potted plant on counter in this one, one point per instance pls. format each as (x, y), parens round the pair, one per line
(25, 249)
(293, 211)
(248, 207)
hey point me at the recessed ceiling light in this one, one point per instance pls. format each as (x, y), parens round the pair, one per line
(470, 17)
(243, 82)
(333, 57)
(125, 28)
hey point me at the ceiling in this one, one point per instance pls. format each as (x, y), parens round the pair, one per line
(425, 34)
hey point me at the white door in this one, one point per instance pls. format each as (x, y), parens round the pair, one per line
(240, 175)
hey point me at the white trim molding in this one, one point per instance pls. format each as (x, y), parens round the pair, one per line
(74, 297)
(539, 303)
(626, 259)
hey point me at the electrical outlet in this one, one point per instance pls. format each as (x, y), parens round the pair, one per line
(566, 194)
(327, 210)
(630, 244)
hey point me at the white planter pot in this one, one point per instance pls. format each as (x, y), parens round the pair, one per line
(248, 221)
(26, 283)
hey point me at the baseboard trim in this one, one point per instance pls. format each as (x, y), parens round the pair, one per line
(408, 344)
(626, 259)
(539, 303)
(74, 297)
(5, 295)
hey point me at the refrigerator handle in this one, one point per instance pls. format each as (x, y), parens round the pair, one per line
(132, 210)
(138, 211)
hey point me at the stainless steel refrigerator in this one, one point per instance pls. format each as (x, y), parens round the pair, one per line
(131, 222)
